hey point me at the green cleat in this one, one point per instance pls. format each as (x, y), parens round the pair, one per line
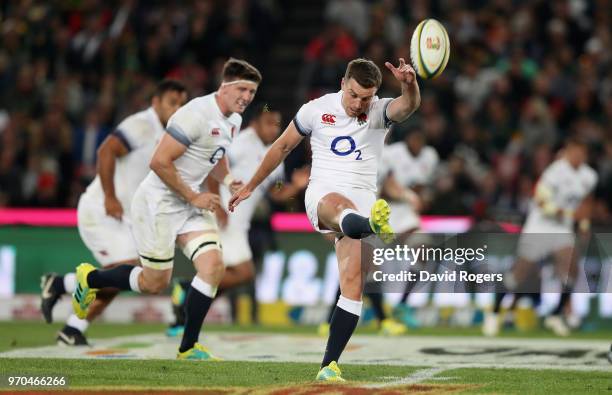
(331, 373)
(175, 331)
(197, 353)
(83, 296)
(379, 221)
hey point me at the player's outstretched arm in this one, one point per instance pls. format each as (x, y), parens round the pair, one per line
(111, 149)
(275, 155)
(401, 107)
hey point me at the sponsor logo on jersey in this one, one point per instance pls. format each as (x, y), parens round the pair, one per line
(215, 132)
(328, 119)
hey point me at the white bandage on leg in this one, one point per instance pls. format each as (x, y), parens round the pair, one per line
(203, 287)
(343, 214)
(134, 274)
(201, 244)
(352, 306)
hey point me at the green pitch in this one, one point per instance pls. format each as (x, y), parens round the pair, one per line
(171, 376)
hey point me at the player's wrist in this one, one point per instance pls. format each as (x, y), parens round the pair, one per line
(190, 197)
(228, 180)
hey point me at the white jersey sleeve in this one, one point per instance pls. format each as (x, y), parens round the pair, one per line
(133, 132)
(378, 114)
(304, 120)
(185, 126)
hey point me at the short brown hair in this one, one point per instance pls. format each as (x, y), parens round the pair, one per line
(169, 86)
(237, 69)
(576, 140)
(365, 72)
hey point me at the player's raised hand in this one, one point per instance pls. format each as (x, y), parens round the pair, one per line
(242, 194)
(113, 207)
(403, 73)
(206, 201)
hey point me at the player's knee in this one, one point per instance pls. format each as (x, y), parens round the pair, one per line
(154, 286)
(215, 266)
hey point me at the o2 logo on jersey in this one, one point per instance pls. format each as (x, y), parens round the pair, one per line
(345, 145)
(217, 155)
(328, 119)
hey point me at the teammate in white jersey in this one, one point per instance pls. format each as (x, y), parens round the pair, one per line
(411, 164)
(347, 131)
(409, 168)
(169, 207)
(103, 212)
(562, 196)
(245, 154)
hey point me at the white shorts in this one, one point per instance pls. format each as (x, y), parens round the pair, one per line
(403, 218)
(158, 218)
(108, 239)
(235, 246)
(536, 246)
(363, 200)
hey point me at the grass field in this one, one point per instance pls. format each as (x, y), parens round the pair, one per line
(171, 376)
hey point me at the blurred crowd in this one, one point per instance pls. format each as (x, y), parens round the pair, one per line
(71, 70)
(522, 76)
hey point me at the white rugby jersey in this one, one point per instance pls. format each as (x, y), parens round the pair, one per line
(140, 133)
(569, 186)
(345, 150)
(206, 132)
(244, 155)
(409, 170)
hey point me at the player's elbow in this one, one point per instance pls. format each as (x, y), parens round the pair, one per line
(157, 164)
(103, 152)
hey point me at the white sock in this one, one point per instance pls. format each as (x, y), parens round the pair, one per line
(70, 282)
(77, 323)
(203, 287)
(343, 214)
(134, 274)
(352, 306)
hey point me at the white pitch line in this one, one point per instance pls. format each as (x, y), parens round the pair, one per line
(416, 377)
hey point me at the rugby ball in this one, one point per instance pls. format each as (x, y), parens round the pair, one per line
(429, 49)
